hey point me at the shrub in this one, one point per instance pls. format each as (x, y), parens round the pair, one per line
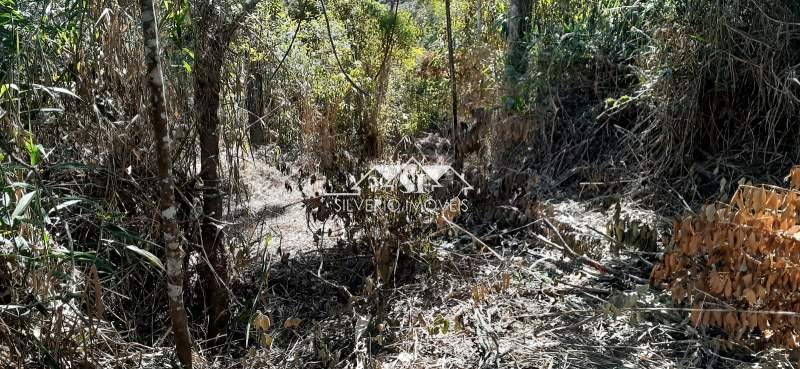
(736, 264)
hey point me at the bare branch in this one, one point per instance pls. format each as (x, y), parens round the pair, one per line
(336, 55)
(228, 29)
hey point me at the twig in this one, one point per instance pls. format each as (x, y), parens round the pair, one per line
(487, 237)
(573, 325)
(474, 238)
(621, 245)
(390, 39)
(683, 201)
(606, 236)
(289, 49)
(585, 289)
(341, 288)
(336, 55)
(267, 263)
(591, 262)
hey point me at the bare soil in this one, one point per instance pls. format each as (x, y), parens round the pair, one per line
(465, 307)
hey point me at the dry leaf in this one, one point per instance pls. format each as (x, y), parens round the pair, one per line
(715, 283)
(751, 320)
(790, 340)
(751, 253)
(678, 293)
(99, 307)
(506, 280)
(728, 290)
(710, 212)
(262, 321)
(794, 174)
(716, 318)
(731, 321)
(696, 317)
(737, 198)
(758, 199)
(449, 212)
(292, 323)
(266, 340)
(750, 296)
(747, 280)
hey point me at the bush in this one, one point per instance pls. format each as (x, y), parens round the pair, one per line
(736, 265)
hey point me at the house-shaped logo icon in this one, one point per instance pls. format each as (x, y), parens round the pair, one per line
(409, 177)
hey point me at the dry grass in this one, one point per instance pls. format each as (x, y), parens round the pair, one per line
(470, 309)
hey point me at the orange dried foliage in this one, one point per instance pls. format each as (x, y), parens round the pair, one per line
(746, 255)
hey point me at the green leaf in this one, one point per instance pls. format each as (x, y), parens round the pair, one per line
(442, 324)
(188, 52)
(35, 151)
(147, 255)
(4, 88)
(23, 204)
(124, 234)
(64, 91)
(23, 185)
(64, 205)
(187, 67)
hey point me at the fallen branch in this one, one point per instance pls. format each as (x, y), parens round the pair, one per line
(570, 326)
(511, 230)
(342, 289)
(564, 247)
(474, 238)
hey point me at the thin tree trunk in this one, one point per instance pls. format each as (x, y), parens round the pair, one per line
(207, 79)
(519, 23)
(212, 36)
(479, 22)
(169, 224)
(375, 104)
(255, 107)
(458, 157)
(374, 138)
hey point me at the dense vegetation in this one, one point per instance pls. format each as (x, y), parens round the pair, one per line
(156, 158)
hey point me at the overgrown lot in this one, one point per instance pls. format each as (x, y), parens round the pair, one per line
(167, 171)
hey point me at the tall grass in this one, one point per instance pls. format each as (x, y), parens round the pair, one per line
(669, 87)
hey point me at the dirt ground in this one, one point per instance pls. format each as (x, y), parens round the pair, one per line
(532, 307)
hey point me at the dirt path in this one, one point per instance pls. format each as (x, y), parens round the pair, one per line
(274, 208)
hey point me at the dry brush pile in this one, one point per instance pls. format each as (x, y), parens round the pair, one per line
(737, 265)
